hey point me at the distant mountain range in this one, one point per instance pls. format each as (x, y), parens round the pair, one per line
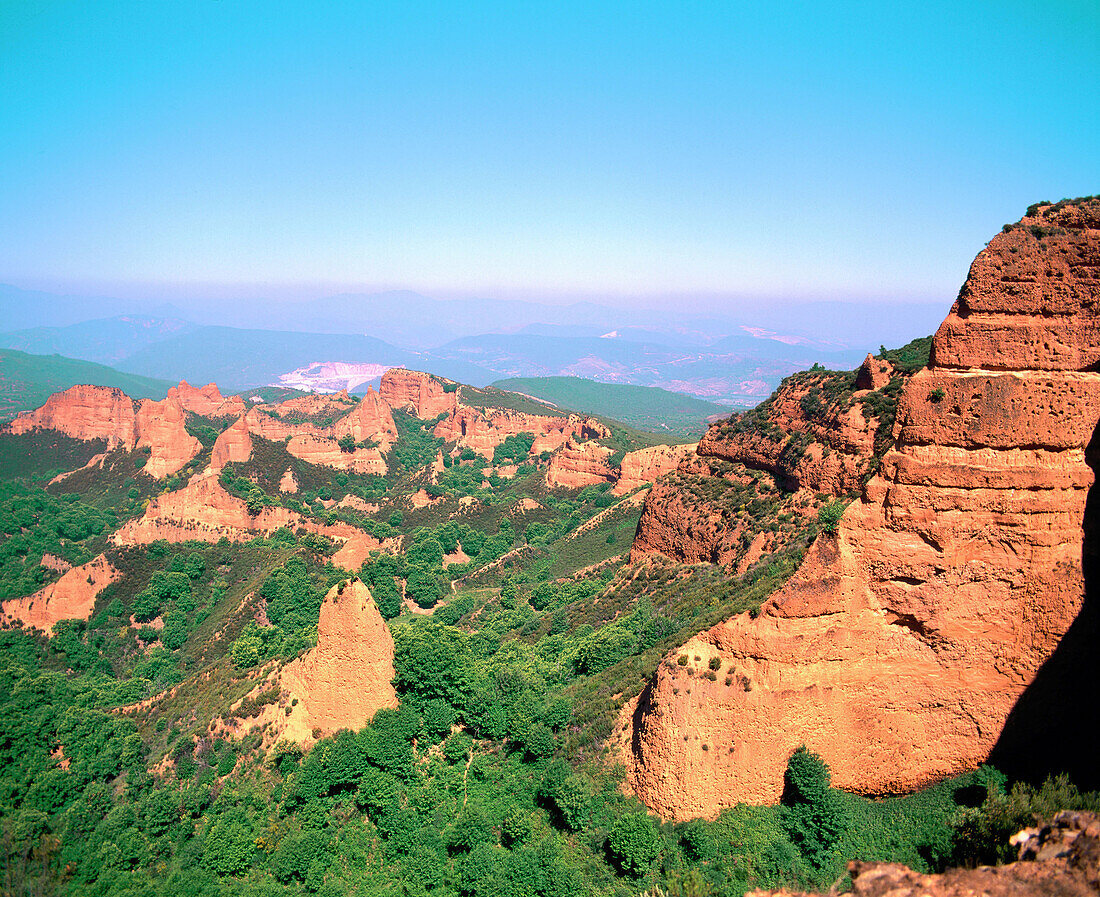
(245, 344)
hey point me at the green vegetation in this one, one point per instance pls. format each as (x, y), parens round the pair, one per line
(32, 523)
(911, 357)
(520, 630)
(28, 380)
(647, 408)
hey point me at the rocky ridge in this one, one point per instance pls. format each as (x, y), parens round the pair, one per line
(902, 649)
(100, 412)
(733, 500)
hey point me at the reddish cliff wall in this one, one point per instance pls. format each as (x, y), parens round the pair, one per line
(84, 412)
(420, 393)
(70, 598)
(903, 644)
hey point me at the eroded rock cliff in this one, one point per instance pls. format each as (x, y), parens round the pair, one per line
(97, 412)
(910, 642)
(422, 394)
(645, 466)
(579, 464)
(339, 684)
(84, 412)
(207, 401)
(72, 597)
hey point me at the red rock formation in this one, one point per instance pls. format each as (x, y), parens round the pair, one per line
(417, 392)
(348, 677)
(84, 412)
(287, 483)
(317, 405)
(577, 465)
(899, 649)
(357, 545)
(201, 510)
(160, 427)
(828, 448)
(874, 373)
(233, 445)
(327, 452)
(482, 431)
(263, 420)
(52, 562)
(371, 420)
(207, 400)
(681, 522)
(97, 412)
(644, 466)
(70, 598)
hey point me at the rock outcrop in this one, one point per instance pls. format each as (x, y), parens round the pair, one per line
(1062, 858)
(327, 452)
(482, 431)
(84, 412)
(202, 510)
(161, 428)
(99, 412)
(579, 464)
(233, 445)
(417, 392)
(344, 680)
(207, 401)
(931, 629)
(815, 432)
(70, 598)
(369, 421)
(644, 466)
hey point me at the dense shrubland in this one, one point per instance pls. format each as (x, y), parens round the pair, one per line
(490, 777)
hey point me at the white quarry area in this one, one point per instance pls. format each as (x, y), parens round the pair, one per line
(332, 376)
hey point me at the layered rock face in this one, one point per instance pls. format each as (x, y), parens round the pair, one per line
(97, 412)
(802, 436)
(233, 445)
(644, 466)
(84, 412)
(160, 428)
(819, 435)
(371, 420)
(482, 431)
(420, 393)
(201, 510)
(327, 452)
(929, 630)
(580, 464)
(70, 598)
(207, 400)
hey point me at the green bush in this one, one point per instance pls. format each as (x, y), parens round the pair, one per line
(634, 843)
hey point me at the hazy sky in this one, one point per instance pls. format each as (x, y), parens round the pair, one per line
(529, 150)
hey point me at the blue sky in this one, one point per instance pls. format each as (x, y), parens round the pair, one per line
(641, 152)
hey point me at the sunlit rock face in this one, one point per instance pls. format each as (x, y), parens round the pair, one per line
(946, 619)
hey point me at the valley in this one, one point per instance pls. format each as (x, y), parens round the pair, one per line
(439, 636)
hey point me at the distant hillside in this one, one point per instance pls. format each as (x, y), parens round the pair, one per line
(26, 381)
(238, 359)
(103, 340)
(647, 408)
(742, 371)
